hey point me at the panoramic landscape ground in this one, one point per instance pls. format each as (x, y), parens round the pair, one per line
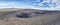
(29, 17)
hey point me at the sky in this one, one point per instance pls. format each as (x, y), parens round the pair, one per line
(33, 4)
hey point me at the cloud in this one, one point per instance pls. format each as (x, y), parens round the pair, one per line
(3, 4)
(34, 4)
(7, 4)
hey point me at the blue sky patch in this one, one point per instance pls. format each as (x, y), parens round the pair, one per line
(28, 3)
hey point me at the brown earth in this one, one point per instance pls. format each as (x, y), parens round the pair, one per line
(44, 17)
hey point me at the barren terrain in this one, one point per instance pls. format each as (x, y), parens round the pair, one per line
(36, 17)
